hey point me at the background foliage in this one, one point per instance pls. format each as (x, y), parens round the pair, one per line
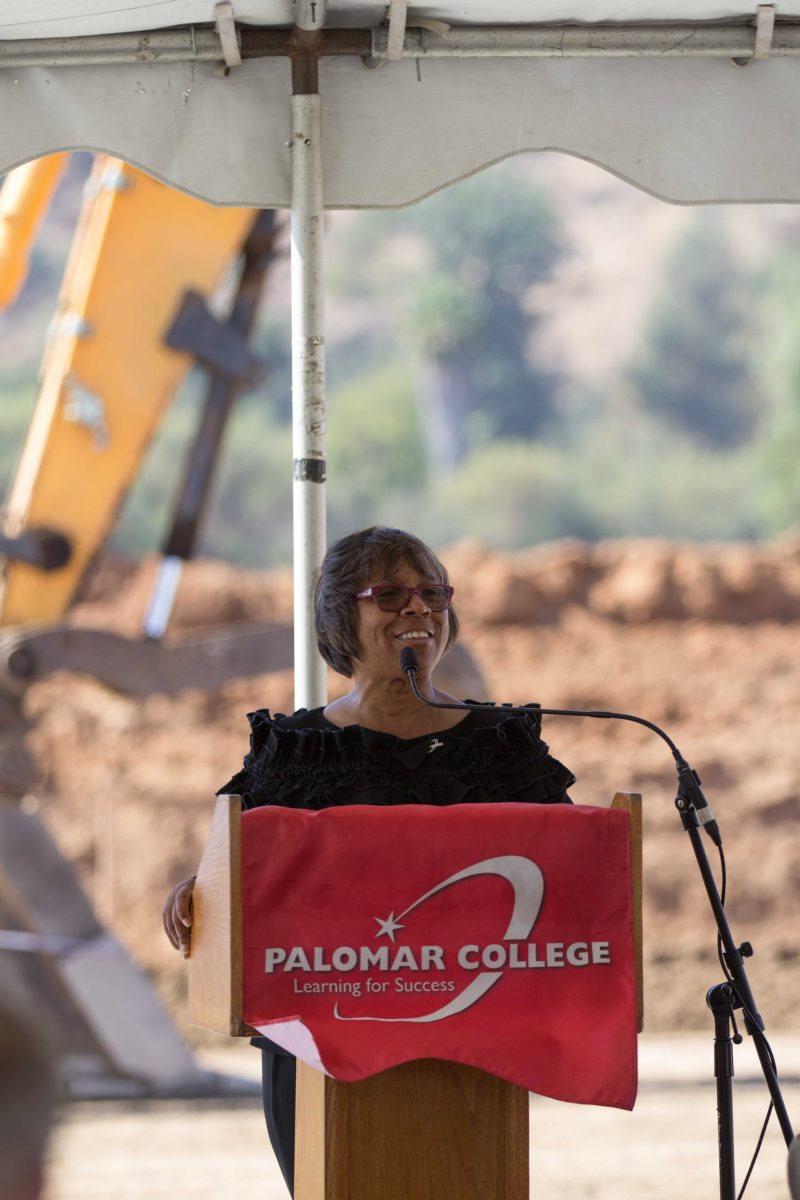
(445, 413)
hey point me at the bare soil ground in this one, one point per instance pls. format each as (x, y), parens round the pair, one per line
(217, 1150)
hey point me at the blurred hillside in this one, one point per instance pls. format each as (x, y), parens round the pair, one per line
(702, 640)
(541, 351)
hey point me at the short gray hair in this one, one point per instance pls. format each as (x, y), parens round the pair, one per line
(348, 567)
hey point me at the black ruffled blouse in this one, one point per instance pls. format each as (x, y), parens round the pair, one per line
(304, 761)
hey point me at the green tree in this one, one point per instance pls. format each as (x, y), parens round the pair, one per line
(779, 369)
(250, 517)
(464, 260)
(509, 493)
(694, 371)
(376, 455)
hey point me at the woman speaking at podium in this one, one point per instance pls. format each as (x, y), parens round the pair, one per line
(380, 590)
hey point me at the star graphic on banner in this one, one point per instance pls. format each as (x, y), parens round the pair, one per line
(389, 927)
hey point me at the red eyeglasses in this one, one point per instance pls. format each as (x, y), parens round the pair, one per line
(394, 597)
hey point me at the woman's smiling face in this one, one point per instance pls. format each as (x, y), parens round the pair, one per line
(382, 635)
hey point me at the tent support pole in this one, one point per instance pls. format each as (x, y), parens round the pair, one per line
(308, 380)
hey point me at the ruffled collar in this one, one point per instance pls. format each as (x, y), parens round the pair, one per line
(306, 761)
(308, 738)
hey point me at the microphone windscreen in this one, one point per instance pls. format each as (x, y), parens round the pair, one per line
(408, 658)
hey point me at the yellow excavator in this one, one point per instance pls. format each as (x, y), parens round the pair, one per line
(119, 346)
(132, 318)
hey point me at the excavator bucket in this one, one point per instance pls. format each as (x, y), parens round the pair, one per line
(100, 1009)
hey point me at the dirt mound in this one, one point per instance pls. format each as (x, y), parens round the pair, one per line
(210, 594)
(633, 581)
(702, 640)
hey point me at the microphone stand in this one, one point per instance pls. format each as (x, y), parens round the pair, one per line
(722, 999)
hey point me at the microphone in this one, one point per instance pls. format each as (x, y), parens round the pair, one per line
(690, 793)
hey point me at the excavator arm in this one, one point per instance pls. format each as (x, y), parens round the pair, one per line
(108, 374)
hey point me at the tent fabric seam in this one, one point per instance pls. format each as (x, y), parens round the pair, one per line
(91, 149)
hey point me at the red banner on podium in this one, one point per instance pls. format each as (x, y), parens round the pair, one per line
(496, 935)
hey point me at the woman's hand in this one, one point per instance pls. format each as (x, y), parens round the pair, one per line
(177, 916)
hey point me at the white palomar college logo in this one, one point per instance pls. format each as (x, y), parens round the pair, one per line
(393, 961)
(527, 881)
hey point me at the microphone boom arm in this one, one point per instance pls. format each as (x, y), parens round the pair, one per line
(690, 793)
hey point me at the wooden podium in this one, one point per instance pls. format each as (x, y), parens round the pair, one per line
(426, 1130)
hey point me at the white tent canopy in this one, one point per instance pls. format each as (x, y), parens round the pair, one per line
(687, 129)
